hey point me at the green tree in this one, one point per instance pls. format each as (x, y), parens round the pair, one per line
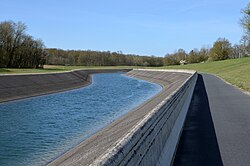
(221, 49)
(204, 54)
(193, 56)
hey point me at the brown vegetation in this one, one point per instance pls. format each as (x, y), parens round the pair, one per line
(18, 49)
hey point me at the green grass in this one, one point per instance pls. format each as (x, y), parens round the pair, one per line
(55, 68)
(234, 71)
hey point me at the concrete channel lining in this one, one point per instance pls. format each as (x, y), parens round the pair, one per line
(141, 137)
(139, 148)
(146, 141)
(170, 147)
(19, 86)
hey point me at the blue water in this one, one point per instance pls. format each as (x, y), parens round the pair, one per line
(36, 130)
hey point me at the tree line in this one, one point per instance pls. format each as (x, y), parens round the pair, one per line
(99, 58)
(18, 49)
(222, 49)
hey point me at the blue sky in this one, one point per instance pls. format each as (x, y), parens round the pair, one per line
(144, 27)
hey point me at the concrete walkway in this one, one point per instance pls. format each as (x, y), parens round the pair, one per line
(217, 127)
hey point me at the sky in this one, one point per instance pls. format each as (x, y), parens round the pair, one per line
(143, 27)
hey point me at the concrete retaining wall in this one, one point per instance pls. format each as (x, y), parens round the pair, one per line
(148, 135)
(14, 87)
(154, 139)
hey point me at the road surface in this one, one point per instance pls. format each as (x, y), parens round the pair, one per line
(217, 127)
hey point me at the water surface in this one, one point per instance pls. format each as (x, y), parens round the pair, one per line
(36, 130)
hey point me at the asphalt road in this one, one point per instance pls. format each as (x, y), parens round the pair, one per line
(217, 127)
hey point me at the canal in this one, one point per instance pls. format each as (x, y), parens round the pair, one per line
(36, 130)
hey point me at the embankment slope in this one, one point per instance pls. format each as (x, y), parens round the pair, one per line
(146, 135)
(127, 141)
(13, 87)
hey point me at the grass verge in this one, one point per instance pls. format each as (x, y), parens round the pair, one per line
(234, 71)
(55, 68)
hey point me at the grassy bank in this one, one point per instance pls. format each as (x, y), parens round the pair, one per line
(55, 68)
(235, 71)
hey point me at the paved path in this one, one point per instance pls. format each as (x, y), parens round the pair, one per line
(217, 128)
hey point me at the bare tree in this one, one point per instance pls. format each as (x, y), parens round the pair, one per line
(17, 49)
(245, 21)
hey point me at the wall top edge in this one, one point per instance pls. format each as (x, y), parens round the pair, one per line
(170, 70)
